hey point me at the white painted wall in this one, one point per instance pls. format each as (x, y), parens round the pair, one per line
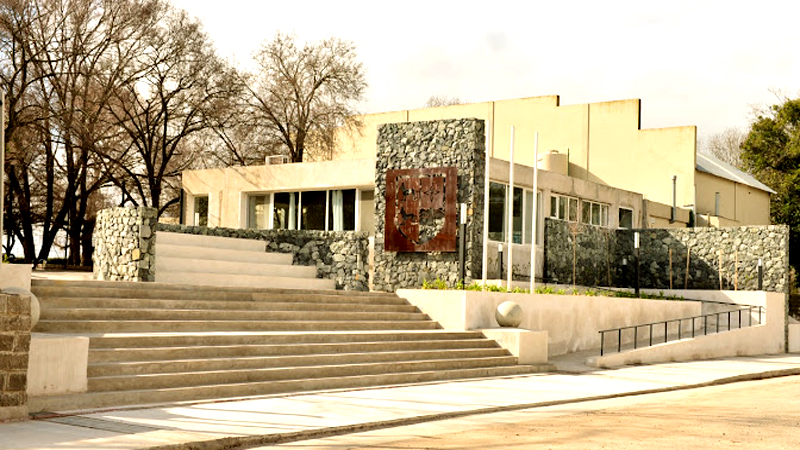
(15, 275)
(572, 322)
(57, 364)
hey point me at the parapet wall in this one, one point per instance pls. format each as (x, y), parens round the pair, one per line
(603, 257)
(338, 255)
(15, 341)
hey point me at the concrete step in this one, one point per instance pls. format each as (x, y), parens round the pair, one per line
(266, 305)
(128, 314)
(256, 281)
(297, 339)
(221, 254)
(196, 240)
(165, 291)
(166, 326)
(95, 400)
(219, 363)
(129, 354)
(176, 380)
(171, 264)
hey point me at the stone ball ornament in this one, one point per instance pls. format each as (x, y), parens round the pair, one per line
(35, 308)
(508, 314)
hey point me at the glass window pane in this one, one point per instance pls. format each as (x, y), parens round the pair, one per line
(562, 208)
(528, 216)
(595, 214)
(586, 208)
(553, 206)
(625, 218)
(573, 210)
(201, 211)
(313, 215)
(284, 211)
(517, 215)
(257, 212)
(497, 211)
(604, 215)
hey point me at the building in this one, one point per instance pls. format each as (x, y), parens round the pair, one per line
(597, 166)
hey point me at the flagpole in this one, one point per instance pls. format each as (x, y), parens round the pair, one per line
(535, 214)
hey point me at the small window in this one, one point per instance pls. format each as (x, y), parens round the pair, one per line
(593, 213)
(257, 209)
(625, 218)
(564, 208)
(497, 211)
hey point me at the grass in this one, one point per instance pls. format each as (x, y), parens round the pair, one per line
(439, 284)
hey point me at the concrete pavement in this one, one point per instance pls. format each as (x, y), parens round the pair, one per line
(272, 420)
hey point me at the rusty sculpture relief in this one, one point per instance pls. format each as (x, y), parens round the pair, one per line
(421, 210)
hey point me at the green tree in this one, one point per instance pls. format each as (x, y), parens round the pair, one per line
(771, 152)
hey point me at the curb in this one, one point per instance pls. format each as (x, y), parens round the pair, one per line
(240, 442)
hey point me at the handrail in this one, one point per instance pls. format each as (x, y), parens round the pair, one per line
(635, 328)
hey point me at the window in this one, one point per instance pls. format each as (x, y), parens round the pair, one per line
(257, 210)
(285, 211)
(313, 205)
(342, 210)
(563, 208)
(593, 213)
(201, 211)
(625, 218)
(529, 214)
(498, 214)
(333, 210)
(497, 211)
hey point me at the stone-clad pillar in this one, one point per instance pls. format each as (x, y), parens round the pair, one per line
(15, 341)
(125, 244)
(455, 143)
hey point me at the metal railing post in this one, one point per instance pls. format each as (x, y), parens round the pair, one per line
(602, 341)
(635, 336)
(666, 331)
(651, 334)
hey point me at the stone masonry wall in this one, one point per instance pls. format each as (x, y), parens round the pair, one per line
(15, 341)
(444, 143)
(338, 255)
(125, 244)
(606, 257)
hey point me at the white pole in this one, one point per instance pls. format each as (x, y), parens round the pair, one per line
(535, 214)
(485, 262)
(510, 199)
(2, 167)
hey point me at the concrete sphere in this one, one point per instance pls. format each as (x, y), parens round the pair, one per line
(508, 314)
(35, 308)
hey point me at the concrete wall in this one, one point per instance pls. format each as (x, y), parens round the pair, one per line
(572, 322)
(15, 275)
(57, 365)
(227, 188)
(739, 204)
(15, 339)
(768, 338)
(604, 141)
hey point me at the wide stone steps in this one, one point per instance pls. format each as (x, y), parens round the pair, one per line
(238, 390)
(217, 261)
(155, 343)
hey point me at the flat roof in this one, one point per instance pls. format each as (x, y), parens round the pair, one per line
(712, 165)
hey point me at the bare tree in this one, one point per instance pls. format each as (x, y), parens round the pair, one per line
(302, 94)
(442, 100)
(725, 146)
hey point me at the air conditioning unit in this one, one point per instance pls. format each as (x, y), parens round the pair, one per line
(276, 159)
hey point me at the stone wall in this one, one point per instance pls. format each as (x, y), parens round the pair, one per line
(606, 257)
(445, 143)
(15, 341)
(338, 255)
(124, 244)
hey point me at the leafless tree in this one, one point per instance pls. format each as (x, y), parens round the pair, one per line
(300, 95)
(442, 100)
(725, 146)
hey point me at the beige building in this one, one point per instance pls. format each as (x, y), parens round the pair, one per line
(597, 166)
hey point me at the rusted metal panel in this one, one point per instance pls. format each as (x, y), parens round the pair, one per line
(421, 210)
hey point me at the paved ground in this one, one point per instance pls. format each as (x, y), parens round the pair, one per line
(751, 415)
(267, 421)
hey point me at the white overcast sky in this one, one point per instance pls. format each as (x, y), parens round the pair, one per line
(703, 63)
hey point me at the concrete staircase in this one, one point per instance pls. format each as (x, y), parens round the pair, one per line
(219, 261)
(153, 343)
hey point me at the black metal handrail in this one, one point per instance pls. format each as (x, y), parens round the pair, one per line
(666, 323)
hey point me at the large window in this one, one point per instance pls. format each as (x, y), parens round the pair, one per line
(594, 213)
(498, 214)
(564, 208)
(333, 210)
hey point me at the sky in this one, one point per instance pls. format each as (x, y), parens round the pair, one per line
(704, 63)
